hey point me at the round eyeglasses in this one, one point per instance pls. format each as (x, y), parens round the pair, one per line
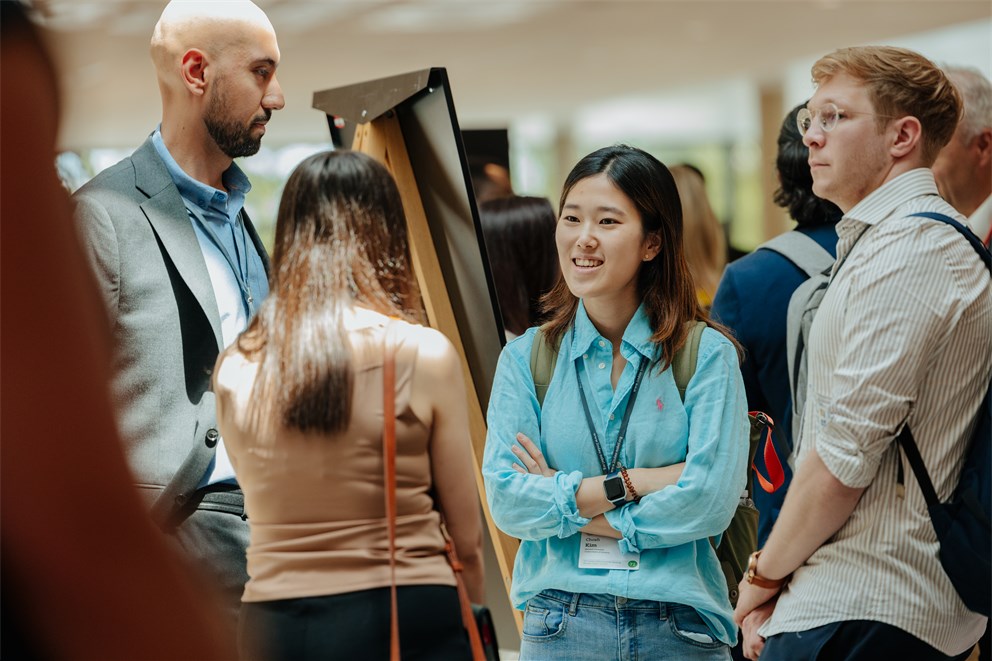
(827, 116)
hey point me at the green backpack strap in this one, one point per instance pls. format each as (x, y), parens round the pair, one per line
(684, 362)
(543, 359)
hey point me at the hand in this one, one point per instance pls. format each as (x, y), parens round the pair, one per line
(531, 457)
(750, 597)
(752, 643)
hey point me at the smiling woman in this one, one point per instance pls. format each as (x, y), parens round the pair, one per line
(615, 507)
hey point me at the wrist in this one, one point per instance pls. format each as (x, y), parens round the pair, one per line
(753, 574)
(641, 479)
(632, 493)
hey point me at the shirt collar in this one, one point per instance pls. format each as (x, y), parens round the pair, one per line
(881, 202)
(636, 336)
(204, 196)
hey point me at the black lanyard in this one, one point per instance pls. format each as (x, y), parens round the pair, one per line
(240, 275)
(609, 468)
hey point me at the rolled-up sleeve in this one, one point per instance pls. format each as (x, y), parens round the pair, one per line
(525, 506)
(703, 501)
(891, 327)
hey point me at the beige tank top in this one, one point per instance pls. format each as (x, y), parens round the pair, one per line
(316, 503)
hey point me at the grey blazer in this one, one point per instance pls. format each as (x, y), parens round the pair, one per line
(151, 272)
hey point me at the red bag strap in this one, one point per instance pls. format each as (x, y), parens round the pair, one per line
(389, 483)
(776, 474)
(389, 480)
(468, 617)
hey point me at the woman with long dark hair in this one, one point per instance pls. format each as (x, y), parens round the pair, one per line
(615, 483)
(301, 409)
(520, 242)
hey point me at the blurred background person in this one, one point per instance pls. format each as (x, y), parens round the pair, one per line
(300, 402)
(490, 180)
(704, 244)
(85, 574)
(963, 171)
(520, 240)
(754, 294)
(963, 168)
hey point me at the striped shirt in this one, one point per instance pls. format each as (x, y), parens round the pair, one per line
(903, 333)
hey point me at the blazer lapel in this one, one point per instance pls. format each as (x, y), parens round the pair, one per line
(167, 215)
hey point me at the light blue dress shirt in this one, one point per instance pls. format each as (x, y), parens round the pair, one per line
(670, 528)
(221, 211)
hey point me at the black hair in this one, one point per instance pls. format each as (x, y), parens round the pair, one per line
(795, 191)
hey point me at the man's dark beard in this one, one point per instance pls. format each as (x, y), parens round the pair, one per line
(232, 138)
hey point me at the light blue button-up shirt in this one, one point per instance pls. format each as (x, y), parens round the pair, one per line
(670, 528)
(222, 211)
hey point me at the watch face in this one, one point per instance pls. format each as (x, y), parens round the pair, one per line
(614, 488)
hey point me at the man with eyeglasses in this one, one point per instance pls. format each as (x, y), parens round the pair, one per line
(850, 569)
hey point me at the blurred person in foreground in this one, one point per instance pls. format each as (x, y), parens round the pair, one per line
(182, 270)
(301, 404)
(85, 575)
(704, 243)
(851, 568)
(754, 294)
(963, 168)
(520, 242)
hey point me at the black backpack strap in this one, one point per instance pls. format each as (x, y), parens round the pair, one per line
(905, 438)
(976, 243)
(909, 446)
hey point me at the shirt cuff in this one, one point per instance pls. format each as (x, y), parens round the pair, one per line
(623, 522)
(566, 484)
(847, 462)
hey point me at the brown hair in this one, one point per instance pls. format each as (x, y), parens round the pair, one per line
(704, 243)
(665, 283)
(340, 241)
(900, 82)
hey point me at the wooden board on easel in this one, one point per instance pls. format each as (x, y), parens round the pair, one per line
(408, 123)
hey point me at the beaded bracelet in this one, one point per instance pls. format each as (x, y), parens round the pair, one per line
(630, 485)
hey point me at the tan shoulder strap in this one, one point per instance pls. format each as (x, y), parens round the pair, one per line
(389, 485)
(389, 475)
(543, 359)
(684, 362)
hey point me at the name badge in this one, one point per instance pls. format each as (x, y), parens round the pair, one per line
(599, 552)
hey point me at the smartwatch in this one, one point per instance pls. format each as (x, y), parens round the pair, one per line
(616, 490)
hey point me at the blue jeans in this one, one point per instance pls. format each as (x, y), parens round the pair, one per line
(600, 627)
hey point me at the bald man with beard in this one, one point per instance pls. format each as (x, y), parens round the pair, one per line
(182, 270)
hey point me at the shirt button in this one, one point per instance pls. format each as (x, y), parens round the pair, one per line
(602, 343)
(602, 366)
(611, 416)
(585, 356)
